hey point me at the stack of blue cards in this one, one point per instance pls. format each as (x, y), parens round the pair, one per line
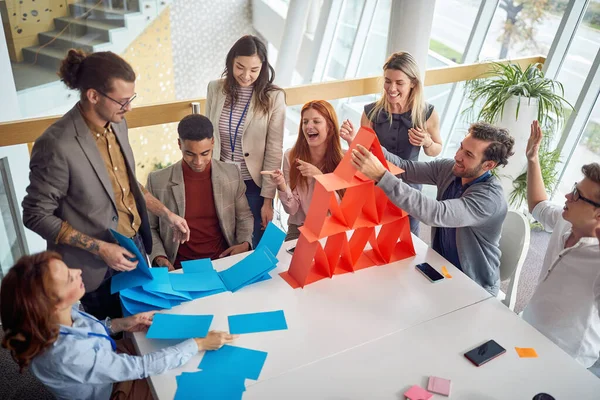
(137, 277)
(147, 289)
(255, 267)
(199, 279)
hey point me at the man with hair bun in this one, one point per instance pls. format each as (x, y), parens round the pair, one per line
(566, 304)
(466, 218)
(82, 180)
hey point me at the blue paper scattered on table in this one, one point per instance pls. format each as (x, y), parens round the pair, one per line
(257, 322)
(199, 295)
(141, 296)
(249, 270)
(132, 307)
(174, 326)
(161, 285)
(200, 266)
(197, 282)
(209, 385)
(234, 360)
(272, 238)
(128, 279)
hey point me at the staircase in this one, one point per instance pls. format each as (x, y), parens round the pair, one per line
(90, 27)
(108, 26)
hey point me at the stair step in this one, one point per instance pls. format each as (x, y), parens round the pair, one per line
(116, 8)
(81, 27)
(109, 16)
(132, 5)
(68, 41)
(49, 57)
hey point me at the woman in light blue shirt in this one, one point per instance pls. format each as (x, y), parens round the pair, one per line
(70, 351)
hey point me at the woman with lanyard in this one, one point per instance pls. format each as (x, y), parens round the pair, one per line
(71, 352)
(249, 111)
(317, 151)
(402, 120)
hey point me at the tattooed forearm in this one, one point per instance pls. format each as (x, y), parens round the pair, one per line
(83, 241)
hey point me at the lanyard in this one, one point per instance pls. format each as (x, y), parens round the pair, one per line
(232, 141)
(107, 336)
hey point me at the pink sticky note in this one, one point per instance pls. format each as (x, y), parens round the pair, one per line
(439, 385)
(417, 393)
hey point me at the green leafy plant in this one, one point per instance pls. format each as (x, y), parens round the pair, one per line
(503, 81)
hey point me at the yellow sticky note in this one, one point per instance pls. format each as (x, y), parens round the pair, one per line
(526, 352)
(445, 272)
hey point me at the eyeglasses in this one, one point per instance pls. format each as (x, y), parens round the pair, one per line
(123, 105)
(577, 196)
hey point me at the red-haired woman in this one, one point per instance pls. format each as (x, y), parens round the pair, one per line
(317, 151)
(71, 352)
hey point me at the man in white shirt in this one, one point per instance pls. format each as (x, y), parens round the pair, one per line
(566, 304)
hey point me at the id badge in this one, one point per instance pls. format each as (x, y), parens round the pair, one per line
(236, 163)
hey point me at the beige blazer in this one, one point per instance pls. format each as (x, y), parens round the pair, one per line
(229, 192)
(68, 181)
(262, 135)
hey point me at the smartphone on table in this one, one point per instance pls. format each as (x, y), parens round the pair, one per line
(484, 353)
(429, 272)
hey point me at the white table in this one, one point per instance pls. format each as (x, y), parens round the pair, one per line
(387, 367)
(329, 316)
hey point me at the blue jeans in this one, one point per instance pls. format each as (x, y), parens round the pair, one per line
(255, 201)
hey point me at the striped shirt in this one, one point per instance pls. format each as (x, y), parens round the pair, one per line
(227, 136)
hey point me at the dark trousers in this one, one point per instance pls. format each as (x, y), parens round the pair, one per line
(255, 201)
(100, 303)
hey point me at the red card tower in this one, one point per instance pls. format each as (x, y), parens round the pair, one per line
(363, 208)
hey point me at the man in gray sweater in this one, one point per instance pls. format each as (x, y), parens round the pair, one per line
(467, 216)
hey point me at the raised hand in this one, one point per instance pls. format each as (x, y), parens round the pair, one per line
(347, 132)
(533, 144)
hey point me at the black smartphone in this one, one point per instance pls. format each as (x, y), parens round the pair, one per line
(291, 250)
(429, 272)
(484, 353)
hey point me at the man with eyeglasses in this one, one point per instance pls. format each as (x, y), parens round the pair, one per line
(83, 184)
(566, 304)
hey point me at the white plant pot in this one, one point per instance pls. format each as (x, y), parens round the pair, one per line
(519, 128)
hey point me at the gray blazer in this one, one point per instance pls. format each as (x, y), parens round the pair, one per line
(229, 192)
(262, 135)
(68, 181)
(477, 215)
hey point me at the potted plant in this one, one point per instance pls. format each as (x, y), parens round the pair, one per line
(512, 98)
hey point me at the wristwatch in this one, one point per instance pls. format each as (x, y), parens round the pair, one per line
(108, 324)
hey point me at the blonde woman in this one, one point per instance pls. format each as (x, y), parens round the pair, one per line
(402, 120)
(248, 113)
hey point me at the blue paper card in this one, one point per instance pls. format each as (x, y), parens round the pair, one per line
(208, 385)
(200, 266)
(196, 282)
(199, 295)
(249, 270)
(141, 296)
(234, 361)
(131, 307)
(128, 279)
(272, 238)
(161, 285)
(174, 326)
(257, 322)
